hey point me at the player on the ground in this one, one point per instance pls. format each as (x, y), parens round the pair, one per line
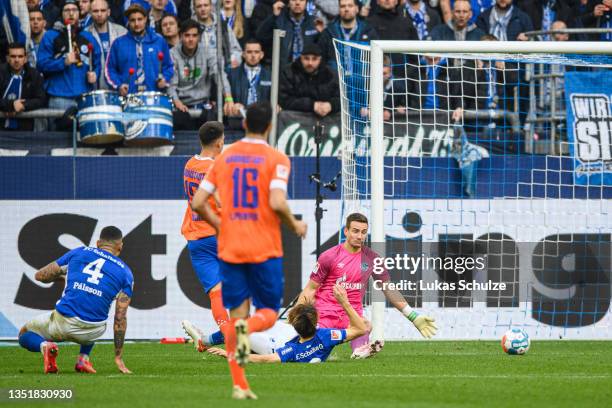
(201, 236)
(312, 344)
(351, 265)
(251, 178)
(94, 278)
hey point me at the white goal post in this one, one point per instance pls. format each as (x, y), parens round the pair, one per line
(377, 50)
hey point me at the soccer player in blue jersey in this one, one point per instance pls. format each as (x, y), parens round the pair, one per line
(312, 345)
(94, 278)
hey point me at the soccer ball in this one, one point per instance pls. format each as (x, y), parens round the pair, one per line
(515, 341)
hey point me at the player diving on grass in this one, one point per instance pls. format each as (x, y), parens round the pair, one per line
(201, 236)
(350, 264)
(251, 178)
(312, 344)
(94, 277)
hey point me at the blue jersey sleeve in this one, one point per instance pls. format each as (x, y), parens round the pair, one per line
(65, 259)
(332, 337)
(286, 353)
(128, 288)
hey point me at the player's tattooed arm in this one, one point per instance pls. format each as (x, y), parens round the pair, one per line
(50, 273)
(120, 326)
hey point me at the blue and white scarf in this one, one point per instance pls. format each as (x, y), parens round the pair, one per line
(499, 25)
(230, 21)
(419, 19)
(311, 8)
(140, 69)
(491, 76)
(298, 41)
(432, 101)
(85, 22)
(253, 77)
(548, 17)
(12, 93)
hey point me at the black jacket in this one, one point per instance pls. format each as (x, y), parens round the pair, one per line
(535, 10)
(51, 13)
(392, 25)
(283, 22)
(299, 91)
(32, 90)
(240, 85)
(519, 23)
(447, 90)
(394, 95)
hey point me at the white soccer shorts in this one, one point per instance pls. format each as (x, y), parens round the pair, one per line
(54, 326)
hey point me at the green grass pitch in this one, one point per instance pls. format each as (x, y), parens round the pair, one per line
(407, 374)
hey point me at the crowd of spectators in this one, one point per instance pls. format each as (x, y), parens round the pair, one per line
(76, 46)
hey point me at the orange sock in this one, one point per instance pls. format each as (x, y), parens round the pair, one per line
(262, 320)
(218, 310)
(237, 372)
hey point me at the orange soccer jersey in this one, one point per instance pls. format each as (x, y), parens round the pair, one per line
(193, 226)
(243, 175)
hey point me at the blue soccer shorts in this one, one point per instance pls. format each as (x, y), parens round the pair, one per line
(263, 282)
(203, 253)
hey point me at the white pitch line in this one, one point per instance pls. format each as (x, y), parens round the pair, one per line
(344, 375)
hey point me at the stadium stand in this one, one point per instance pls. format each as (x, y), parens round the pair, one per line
(102, 22)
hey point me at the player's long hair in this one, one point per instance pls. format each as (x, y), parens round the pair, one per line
(304, 318)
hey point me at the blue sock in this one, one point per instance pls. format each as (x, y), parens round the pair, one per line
(216, 338)
(31, 341)
(86, 349)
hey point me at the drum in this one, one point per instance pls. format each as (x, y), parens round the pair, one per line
(150, 119)
(100, 118)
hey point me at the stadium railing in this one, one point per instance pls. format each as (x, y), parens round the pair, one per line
(547, 105)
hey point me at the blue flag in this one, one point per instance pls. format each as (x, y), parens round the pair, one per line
(589, 126)
(10, 23)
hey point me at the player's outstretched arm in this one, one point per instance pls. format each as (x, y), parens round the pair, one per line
(200, 205)
(253, 358)
(50, 273)
(120, 326)
(357, 326)
(278, 203)
(308, 293)
(424, 324)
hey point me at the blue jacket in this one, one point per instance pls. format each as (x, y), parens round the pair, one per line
(240, 85)
(170, 8)
(122, 57)
(519, 23)
(443, 32)
(60, 80)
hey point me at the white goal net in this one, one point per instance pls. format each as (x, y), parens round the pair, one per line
(485, 149)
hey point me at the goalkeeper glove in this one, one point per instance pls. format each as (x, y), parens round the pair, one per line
(424, 324)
